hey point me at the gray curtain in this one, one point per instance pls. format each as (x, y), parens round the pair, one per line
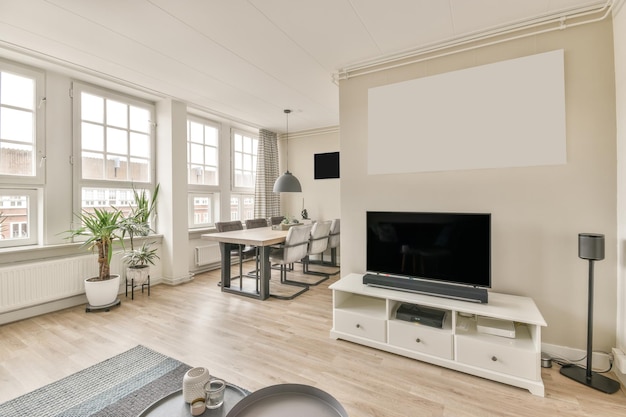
(266, 202)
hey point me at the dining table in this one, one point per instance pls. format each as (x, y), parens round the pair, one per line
(262, 238)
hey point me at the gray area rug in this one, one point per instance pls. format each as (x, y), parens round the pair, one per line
(121, 386)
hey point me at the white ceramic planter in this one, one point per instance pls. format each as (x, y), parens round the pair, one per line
(101, 293)
(139, 274)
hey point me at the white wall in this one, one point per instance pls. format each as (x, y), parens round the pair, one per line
(537, 212)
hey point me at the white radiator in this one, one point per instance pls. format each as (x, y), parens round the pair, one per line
(31, 283)
(207, 254)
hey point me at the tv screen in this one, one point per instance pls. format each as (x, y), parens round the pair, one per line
(450, 247)
(326, 165)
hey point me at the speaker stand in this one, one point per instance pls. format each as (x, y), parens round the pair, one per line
(587, 376)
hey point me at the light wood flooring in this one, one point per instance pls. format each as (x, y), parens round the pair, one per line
(255, 343)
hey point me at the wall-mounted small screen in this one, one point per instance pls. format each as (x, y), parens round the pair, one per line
(326, 165)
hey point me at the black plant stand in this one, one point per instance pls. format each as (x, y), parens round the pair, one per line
(587, 376)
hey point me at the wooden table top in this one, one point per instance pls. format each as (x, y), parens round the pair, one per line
(261, 236)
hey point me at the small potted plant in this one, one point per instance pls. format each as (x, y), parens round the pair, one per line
(101, 228)
(139, 261)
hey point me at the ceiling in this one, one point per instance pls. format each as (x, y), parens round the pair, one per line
(245, 60)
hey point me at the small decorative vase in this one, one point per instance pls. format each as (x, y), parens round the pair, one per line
(193, 384)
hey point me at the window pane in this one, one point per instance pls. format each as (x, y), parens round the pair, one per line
(92, 137)
(14, 217)
(247, 162)
(210, 156)
(234, 208)
(201, 211)
(211, 136)
(247, 144)
(196, 154)
(104, 198)
(210, 176)
(117, 168)
(117, 114)
(93, 165)
(17, 91)
(241, 207)
(16, 125)
(117, 141)
(92, 108)
(238, 143)
(139, 145)
(139, 169)
(16, 159)
(196, 174)
(139, 119)
(196, 132)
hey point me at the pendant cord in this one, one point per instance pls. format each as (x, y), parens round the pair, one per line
(287, 111)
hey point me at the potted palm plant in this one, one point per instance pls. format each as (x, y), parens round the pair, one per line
(101, 228)
(136, 223)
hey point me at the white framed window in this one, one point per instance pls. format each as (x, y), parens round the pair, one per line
(203, 209)
(22, 153)
(245, 148)
(202, 152)
(244, 156)
(114, 145)
(21, 124)
(18, 217)
(241, 207)
(203, 180)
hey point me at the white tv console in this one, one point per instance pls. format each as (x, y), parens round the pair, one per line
(366, 315)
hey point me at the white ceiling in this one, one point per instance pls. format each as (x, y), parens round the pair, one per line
(246, 60)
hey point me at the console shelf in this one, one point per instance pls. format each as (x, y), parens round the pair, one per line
(366, 315)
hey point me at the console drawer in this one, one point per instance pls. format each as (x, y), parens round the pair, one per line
(498, 354)
(422, 339)
(361, 325)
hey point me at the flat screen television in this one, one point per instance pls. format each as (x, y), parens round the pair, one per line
(326, 165)
(453, 248)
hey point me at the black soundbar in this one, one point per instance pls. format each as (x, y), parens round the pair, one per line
(439, 289)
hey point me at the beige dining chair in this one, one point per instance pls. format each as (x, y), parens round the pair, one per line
(318, 242)
(292, 250)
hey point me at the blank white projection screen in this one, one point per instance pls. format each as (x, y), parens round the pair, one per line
(507, 114)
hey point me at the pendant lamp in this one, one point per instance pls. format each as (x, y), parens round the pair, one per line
(287, 183)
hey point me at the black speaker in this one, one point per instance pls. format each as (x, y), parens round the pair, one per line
(591, 246)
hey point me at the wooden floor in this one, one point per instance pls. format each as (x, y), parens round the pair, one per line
(255, 343)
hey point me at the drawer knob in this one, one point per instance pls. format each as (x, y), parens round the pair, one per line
(493, 358)
(358, 326)
(418, 340)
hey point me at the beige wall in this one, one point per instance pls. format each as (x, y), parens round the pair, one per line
(321, 197)
(619, 35)
(537, 212)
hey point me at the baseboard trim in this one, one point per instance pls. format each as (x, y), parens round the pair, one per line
(56, 305)
(600, 360)
(177, 280)
(39, 309)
